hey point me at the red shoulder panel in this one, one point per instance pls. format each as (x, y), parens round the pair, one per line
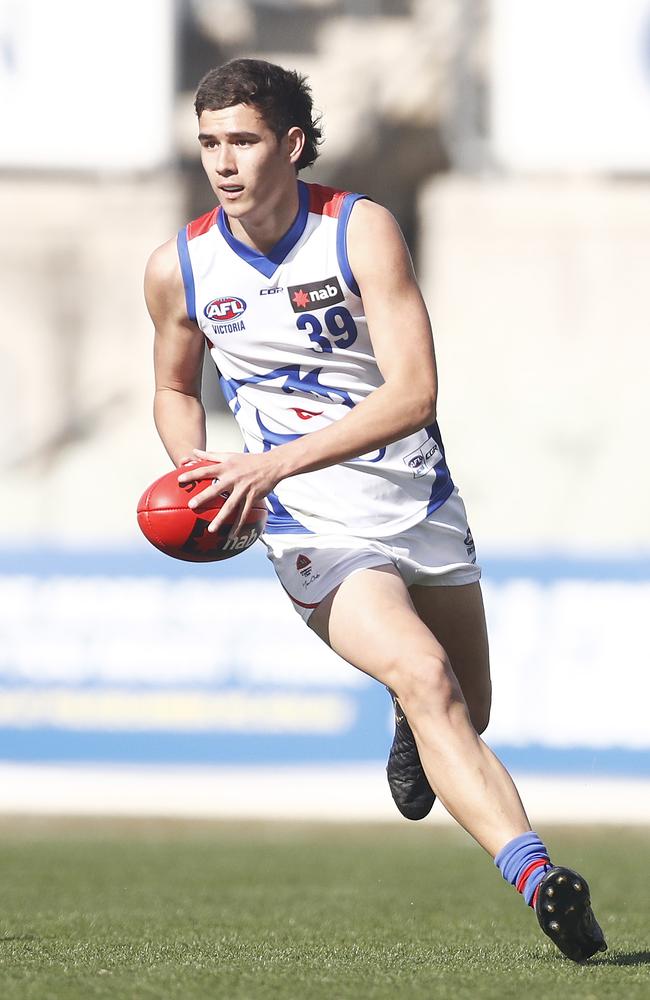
(202, 224)
(325, 200)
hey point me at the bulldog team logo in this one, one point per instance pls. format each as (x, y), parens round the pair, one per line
(315, 294)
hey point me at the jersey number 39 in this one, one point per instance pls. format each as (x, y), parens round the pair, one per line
(340, 326)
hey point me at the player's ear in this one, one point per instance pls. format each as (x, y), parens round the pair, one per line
(296, 143)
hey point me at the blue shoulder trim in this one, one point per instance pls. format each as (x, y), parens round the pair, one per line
(280, 521)
(186, 271)
(349, 202)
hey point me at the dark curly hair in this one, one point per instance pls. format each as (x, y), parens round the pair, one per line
(282, 97)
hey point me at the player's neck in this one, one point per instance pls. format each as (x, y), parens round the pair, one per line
(261, 229)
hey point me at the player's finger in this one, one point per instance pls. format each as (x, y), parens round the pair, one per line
(207, 496)
(227, 513)
(243, 516)
(213, 456)
(205, 472)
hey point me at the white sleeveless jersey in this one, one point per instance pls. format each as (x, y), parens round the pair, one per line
(289, 337)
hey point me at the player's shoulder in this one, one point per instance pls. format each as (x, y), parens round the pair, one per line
(162, 265)
(374, 238)
(340, 202)
(370, 219)
(364, 221)
(163, 280)
(165, 265)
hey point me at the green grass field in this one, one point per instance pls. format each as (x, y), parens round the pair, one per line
(92, 909)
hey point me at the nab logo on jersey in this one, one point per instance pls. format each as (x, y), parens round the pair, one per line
(315, 295)
(224, 309)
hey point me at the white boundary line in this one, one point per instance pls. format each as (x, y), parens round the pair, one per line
(324, 793)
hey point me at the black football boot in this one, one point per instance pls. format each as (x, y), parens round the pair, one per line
(563, 909)
(408, 783)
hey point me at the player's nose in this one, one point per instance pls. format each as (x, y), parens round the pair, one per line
(225, 162)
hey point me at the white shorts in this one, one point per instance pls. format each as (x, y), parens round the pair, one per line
(436, 552)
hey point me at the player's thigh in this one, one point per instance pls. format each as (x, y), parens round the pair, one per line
(370, 620)
(456, 616)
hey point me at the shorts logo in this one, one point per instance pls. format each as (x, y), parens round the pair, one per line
(223, 310)
(422, 461)
(469, 545)
(303, 565)
(315, 294)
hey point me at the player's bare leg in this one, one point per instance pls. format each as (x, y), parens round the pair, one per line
(370, 621)
(455, 615)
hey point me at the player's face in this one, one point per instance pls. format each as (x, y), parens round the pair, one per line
(249, 168)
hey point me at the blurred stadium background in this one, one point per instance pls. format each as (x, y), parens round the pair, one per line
(511, 139)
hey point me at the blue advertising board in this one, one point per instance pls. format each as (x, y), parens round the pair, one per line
(132, 657)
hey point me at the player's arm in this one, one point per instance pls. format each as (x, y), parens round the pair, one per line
(402, 341)
(178, 357)
(403, 345)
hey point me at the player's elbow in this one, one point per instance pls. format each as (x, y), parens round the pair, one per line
(164, 393)
(413, 397)
(423, 408)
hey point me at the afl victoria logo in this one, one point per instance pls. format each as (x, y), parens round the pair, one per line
(222, 310)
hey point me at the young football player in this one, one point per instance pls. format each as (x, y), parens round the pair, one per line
(307, 299)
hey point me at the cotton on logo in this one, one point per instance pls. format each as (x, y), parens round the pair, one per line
(224, 309)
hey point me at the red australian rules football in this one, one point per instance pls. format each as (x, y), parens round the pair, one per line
(178, 531)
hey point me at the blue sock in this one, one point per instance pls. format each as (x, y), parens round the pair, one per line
(523, 862)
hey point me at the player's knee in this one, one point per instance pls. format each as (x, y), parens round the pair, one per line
(428, 684)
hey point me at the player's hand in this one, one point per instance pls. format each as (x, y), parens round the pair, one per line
(245, 477)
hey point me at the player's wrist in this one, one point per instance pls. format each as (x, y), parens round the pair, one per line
(183, 457)
(285, 460)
